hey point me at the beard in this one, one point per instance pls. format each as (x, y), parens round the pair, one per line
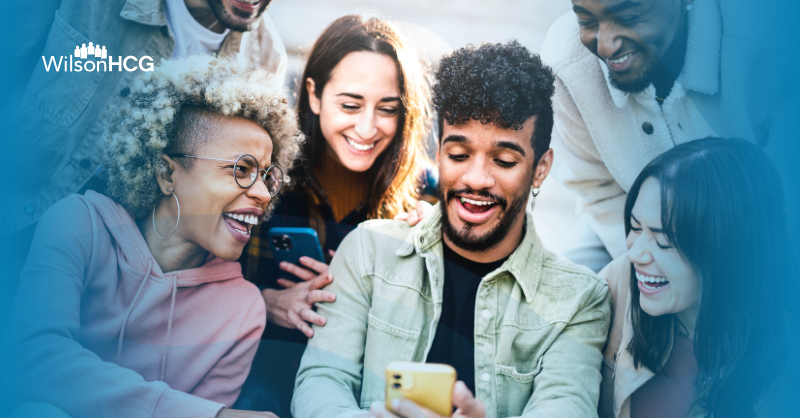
(643, 79)
(231, 20)
(465, 238)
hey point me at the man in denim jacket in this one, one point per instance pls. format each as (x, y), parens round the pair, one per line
(472, 277)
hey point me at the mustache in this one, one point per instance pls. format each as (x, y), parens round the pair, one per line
(451, 194)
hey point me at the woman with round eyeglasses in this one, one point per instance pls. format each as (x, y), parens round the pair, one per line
(134, 304)
(701, 299)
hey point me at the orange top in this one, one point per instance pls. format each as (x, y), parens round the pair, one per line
(345, 188)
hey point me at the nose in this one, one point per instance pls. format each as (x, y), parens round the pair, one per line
(478, 176)
(637, 252)
(366, 126)
(608, 41)
(258, 192)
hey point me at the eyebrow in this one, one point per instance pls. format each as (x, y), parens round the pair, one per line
(628, 4)
(513, 146)
(360, 97)
(611, 10)
(656, 230)
(458, 139)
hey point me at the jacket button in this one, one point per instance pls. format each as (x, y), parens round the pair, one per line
(647, 127)
(165, 31)
(28, 209)
(125, 92)
(85, 164)
(421, 240)
(486, 314)
(485, 377)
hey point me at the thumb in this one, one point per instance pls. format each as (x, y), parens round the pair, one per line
(467, 405)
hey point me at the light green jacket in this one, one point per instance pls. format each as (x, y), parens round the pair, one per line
(540, 325)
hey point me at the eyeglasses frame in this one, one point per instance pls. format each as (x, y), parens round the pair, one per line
(235, 163)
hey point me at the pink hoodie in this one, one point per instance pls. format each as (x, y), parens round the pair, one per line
(98, 329)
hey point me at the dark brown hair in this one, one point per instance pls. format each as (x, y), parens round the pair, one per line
(395, 174)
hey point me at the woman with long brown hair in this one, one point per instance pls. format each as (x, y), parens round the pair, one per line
(364, 106)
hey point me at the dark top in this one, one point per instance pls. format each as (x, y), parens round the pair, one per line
(454, 341)
(669, 393)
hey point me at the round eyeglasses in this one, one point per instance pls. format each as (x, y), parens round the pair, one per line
(246, 171)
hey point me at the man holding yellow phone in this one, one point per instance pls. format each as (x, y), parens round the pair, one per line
(471, 285)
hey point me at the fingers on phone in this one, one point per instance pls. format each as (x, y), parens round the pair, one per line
(286, 283)
(315, 265)
(297, 271)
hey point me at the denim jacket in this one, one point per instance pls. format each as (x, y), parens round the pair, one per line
(62, 117)
(540, 325)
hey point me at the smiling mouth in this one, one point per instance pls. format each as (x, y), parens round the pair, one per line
(242, 224)
(477, 206)
(651, 282)
(360, 147)
(249, 2)
(621, 59)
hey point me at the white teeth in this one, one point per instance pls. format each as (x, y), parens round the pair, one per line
(476, 202)
(250, 219)
(649, 279)
(621, 59)
(250, 2)
(358, 146)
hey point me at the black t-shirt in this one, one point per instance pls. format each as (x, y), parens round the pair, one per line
(454, 342)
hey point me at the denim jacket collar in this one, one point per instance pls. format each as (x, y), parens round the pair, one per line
(147, 12)
(527, 258)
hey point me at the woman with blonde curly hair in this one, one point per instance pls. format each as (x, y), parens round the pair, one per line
(134, 305)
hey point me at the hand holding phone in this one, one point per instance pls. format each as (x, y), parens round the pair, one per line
(298, 252)
(427, 384)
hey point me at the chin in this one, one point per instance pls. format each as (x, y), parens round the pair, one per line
(651, 308)
(230, 253)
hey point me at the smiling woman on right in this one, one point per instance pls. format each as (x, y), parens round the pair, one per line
(698, 326)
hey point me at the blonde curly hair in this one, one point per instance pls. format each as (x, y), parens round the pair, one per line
(142, 125)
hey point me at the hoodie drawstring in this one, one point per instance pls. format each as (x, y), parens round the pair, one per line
(169, 326)
(130, 308)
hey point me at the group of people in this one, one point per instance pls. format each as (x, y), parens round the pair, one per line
(148, 292)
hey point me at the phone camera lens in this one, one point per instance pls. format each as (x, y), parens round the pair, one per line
(397, 376)
(396, 386)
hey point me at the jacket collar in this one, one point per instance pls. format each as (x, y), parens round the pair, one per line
(147, 12)
(703, 48)
(627, 378)
(524, 264)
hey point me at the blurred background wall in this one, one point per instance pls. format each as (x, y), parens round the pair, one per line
(437, 27)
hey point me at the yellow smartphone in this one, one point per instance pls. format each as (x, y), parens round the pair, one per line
(427, 384)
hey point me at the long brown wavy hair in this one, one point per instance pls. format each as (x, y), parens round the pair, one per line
(395, 174)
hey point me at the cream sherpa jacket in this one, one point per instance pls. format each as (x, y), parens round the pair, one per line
(605, 137)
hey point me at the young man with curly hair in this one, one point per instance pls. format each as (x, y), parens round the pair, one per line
(471, 285)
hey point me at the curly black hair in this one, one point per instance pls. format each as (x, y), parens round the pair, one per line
(503, 84)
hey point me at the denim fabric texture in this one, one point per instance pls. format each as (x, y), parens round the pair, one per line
(540, 325)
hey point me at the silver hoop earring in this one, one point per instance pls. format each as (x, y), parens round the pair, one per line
(535, 192)
(176, 223)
